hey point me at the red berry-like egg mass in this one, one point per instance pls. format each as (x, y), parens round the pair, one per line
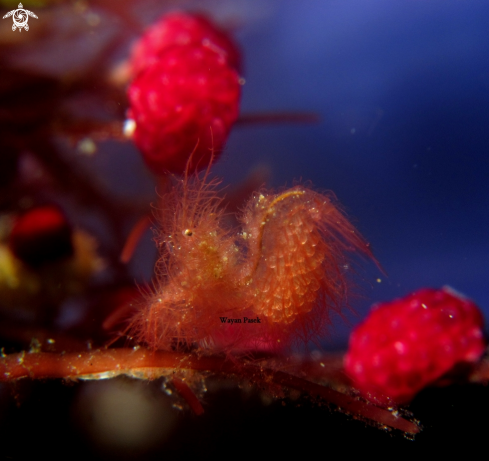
(181, 29)
(41, 235)
(187, 101)
(406, 344)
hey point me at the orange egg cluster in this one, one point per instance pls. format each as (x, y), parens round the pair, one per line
(272, 282)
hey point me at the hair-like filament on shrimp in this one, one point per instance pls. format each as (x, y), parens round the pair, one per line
(270, 282)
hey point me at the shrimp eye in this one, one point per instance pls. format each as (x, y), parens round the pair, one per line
(187, 232)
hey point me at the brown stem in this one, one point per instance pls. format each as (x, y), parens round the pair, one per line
(79, 128)
(278, 117)
(146, 364)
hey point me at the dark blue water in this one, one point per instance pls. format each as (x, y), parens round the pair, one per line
(402, 92)
(402, 89)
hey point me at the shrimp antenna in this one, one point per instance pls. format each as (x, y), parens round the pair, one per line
(207, 171)
(205, 177)
(185, 179)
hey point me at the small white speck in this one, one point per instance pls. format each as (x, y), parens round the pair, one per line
(129, 128)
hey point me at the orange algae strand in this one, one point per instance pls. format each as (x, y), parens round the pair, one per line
(144, 364)
(269, 283)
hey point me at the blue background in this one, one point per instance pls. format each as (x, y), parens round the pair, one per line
(402, 89)
(402, 92)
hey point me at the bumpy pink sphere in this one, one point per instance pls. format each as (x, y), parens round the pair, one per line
(188, 99)
(408, 343)
(181, 29)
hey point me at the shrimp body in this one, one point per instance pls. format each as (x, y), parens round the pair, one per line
(196, 272)
(285, 267)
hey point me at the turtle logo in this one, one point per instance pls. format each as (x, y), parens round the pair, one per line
(20, 17)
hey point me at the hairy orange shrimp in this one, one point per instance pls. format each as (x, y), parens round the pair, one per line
(196, 279)
(265, 285)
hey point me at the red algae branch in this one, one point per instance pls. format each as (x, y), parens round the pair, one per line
(142, 363)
